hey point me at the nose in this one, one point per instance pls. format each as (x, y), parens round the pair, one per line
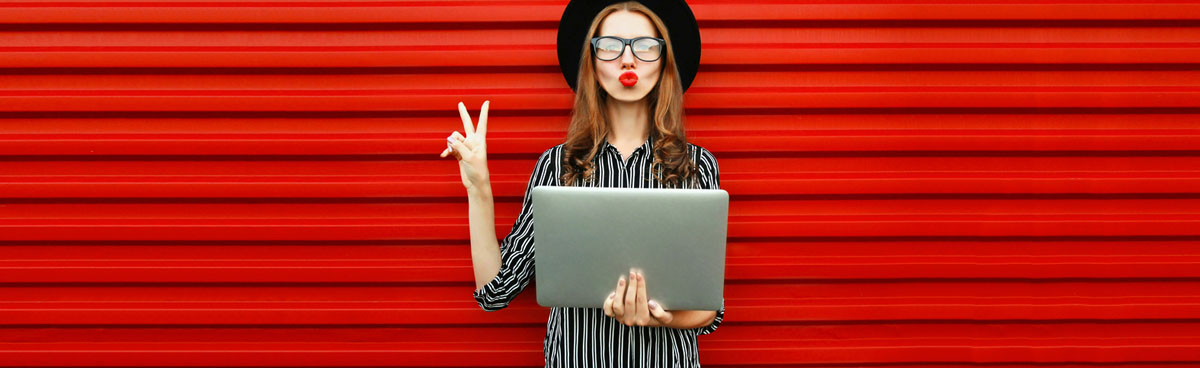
(627, 58)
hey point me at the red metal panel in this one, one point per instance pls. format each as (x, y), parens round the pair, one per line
(914, 183)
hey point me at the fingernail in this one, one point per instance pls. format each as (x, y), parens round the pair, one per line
(652, 304)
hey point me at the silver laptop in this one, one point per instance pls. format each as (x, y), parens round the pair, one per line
(587, 237)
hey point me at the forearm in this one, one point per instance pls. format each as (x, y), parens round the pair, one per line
(485, 249)
(688, 319)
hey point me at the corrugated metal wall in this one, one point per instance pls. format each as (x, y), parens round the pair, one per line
(941, 183)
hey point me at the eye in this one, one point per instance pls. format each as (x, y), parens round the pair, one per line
(645, 44)
(609, 44)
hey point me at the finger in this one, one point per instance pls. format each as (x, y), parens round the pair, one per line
(619, 298)
(458, 137)
(482, 130)
(455, 137)
(450, 147)
(460, 148)
(607, 303)
(661, 315)
(471, 143)
(630, 299)
(643, 311)
(468, 126)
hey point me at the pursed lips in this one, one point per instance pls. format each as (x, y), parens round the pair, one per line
(628, 79)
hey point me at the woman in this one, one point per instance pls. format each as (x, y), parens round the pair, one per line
(626, 131)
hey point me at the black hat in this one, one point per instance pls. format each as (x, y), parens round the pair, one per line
(675, 14)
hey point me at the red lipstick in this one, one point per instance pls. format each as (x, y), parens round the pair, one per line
(629, 79)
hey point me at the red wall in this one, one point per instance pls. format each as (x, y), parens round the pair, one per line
(258, 184)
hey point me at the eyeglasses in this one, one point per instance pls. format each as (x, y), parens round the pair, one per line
(644, 48)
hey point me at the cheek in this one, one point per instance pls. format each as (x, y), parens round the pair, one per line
(654, 75)
(603, 72)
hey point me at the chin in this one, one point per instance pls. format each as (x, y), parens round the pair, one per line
(625, 95)
(628, 98)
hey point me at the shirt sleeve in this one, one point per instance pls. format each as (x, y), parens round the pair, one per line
(516, 250)
(706, 166)
(710, 178)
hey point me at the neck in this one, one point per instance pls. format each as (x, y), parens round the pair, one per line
(630, 121)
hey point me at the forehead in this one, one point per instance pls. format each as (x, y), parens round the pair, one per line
(627, 24)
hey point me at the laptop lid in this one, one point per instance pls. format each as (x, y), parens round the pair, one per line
(588, 237)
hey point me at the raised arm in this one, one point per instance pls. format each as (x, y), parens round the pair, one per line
(471, 152)
(516, 250)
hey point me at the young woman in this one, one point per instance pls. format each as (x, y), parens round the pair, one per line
(626, 131)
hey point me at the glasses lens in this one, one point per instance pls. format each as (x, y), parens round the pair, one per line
(647, 49)
(608, 48)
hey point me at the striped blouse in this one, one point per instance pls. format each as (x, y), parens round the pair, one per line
(585, 337)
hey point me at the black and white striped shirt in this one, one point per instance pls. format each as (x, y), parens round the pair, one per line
(585, 337)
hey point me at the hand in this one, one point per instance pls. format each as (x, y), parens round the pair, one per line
(471, 151)
(629, 304)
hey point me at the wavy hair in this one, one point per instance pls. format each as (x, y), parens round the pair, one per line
(590, 122)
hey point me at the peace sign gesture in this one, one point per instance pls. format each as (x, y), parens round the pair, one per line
(471, 151)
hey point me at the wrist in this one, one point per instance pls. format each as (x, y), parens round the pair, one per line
(689, 319)
(480, 193)
(675, 323)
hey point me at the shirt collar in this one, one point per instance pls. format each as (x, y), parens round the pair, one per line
(646, 146)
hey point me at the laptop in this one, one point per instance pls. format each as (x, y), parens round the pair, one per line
(588, 237)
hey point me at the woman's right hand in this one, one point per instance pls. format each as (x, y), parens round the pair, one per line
(471, 150)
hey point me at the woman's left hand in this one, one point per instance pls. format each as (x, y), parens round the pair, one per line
(629, 304)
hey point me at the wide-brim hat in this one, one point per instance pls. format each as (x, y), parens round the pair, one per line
(675, 14)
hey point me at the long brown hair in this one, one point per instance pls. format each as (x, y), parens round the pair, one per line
(590, 122)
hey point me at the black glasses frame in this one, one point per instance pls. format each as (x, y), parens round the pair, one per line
(628, 42)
